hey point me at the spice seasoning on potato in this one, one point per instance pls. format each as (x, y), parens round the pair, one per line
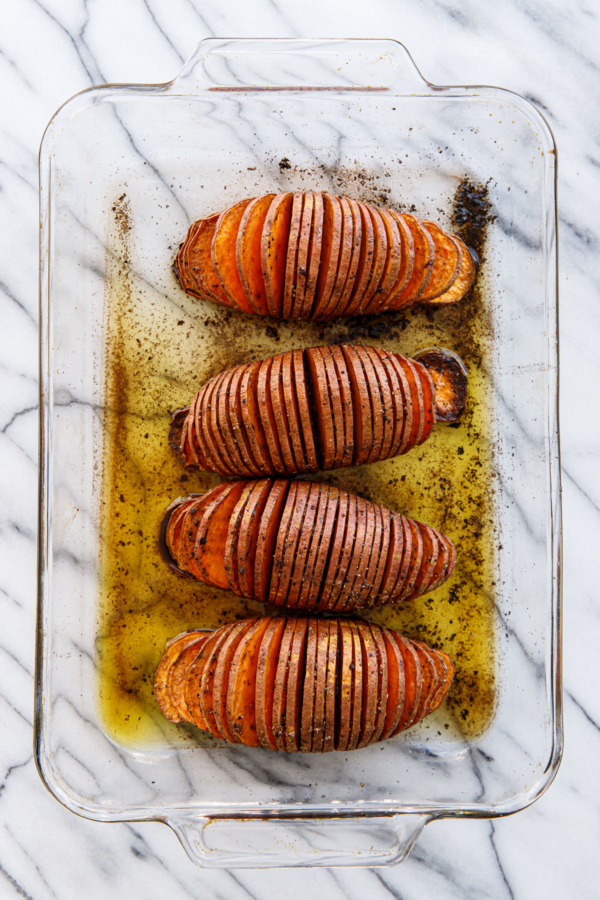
(304, 684)
(318, 408)
(304, 545)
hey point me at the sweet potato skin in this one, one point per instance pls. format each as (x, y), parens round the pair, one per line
(320, 407)
(307, 685)
(305, 546)
(315, 255)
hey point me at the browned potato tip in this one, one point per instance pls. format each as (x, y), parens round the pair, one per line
(301, 684)
(304, 545)
(314, 255)
(318, 408)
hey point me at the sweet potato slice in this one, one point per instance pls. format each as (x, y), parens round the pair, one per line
(205, 686)
(282, 527)
(325, 540)
(423, 251)
(330, 311)
(447, 259)
(301, 273)
(333, 562)
(208, 424)
(184, 550)
(248, 252)
(370, 684)
(365, 588)
(372, 296)
(292, 412)
(236, 423)
(440, 672)
(335, 404)
(345, 394)
(416, 558)
(232, 552)
(416, 399)
(268, 656)
(330, 253)
(322, 408)
(306, 427)
(308, 688)
(273, 250)
(221, 402)
(365, 263)
(280, 413)
(382, 681)
(449, 377)
(358, 676)
(314, 256)
(428, 562)
(395, 535)
(361, 406)
(319, 719)
(428, 405)
(171, 656)
(356, 225)
(251, 419)
(413, 682)
(429, 675)
(378, 569)
(386, 399)
(267, 416)
(352, 546)
(289, 284)
(220, 688)
(396, 686)
(464, 280)
(193, 265)
(211, 536)
(248, 534)
(286, 553)
(376, 403)
(281, 684)
(193, 680)
(344, 692)
(179, 673)
(332, 679)
(309, 534)
(395, 276)
(355, 587)
(270, 523)
(448, 677)
(241, 686)
(292, 732)
(223, 255)
(402, 409)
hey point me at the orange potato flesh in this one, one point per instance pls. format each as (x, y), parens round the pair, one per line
(223, 251)
(273, 250)
(248, 253)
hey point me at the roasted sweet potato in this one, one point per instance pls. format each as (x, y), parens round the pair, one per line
(303, 545)
(314, 255)
(367, 404)
(308, 685)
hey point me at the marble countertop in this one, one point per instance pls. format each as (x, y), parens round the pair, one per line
(548, 52)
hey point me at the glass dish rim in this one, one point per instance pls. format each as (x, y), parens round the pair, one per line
(168, 89)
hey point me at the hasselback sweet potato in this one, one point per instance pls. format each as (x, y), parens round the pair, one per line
(304, 545)
(302, 684)
(319, 408)
(313, 255)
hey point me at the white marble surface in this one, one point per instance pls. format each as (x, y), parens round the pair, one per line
(49, 49)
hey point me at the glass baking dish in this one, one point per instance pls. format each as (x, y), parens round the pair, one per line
(124, 169)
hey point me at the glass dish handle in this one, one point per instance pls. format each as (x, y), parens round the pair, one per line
(234, 64)
(266, 843)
